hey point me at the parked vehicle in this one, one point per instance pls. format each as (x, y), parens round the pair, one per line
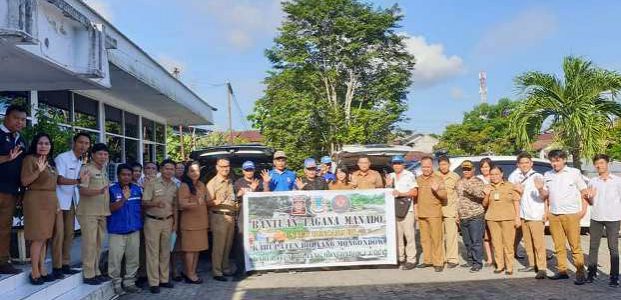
(379, 154)
(262, 157)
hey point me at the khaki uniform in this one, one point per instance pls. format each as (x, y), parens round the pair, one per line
(222, 223)
(449, 220)
(369, 180)
(336, 185)
(500, 218)
(158, 225)
(92, 212)
(430, 219)
(40, 202)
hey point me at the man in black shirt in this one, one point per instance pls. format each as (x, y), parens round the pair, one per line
(11, 156)
(311, 182)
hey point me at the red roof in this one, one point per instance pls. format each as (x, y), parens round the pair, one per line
(252, 136)
(543, 141)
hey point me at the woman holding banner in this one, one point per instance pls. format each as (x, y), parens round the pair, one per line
(342, 180)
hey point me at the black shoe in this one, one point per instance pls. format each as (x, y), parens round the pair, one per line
(590, 278)
(154, 289)
(141, 282)
(452, 265)
(58, 273)
(36, 281)
(190, 281)
(438, 269)
(541, 275)
(103, 278)
(9, 269)
(167, 285)
(475, 269)
(177, 278)
(220, 278)
(91, 281)
(498, 271)
(559, 276)
(614, 282)
(67, 270)
(580, 279)
(48, 278)
(526, 270)
(466, 265)
(408, 266)
(422, 266)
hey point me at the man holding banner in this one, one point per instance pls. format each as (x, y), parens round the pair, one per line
(405, 189)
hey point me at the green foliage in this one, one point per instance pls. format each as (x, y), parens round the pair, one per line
(340, 75)
(48, 121)
(614, 145)
(485, 129)
(579, 107)
(173, 142)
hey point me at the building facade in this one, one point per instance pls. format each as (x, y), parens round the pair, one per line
(62, 57)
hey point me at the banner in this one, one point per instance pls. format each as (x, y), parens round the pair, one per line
(306, 229)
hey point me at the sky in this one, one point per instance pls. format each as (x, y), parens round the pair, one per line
(215, 41)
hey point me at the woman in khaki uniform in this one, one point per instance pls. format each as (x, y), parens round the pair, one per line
(342, 180)
(194, 220)
(40, 203)
(503, 206)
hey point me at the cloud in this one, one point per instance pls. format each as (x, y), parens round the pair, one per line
(102, 7)
(170, 63)
(432, 64)
(457, 93)
(525, 30)
(242, 22)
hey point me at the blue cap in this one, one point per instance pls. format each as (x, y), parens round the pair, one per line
(326, 160)
(397, 159)
(248, 165)
(310, 163)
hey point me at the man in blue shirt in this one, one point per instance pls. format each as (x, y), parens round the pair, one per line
(124, 225)
(326, 169)
(281, 178)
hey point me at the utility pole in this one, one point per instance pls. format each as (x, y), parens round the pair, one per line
(483, 86)
(181, 142)
(229, 101)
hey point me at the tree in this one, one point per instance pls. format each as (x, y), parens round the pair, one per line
(579, 108)
(484, 129)
(340, 75)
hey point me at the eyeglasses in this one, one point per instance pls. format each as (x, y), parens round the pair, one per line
(467, 169)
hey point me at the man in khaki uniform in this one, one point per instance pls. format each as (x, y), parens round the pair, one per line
(159, 201)
(223, 211)
(365, 178)
(449, 212)
(92, 210)
(431, 198)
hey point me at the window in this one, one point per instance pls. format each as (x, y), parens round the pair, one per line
(131, 150)
(148, 129)
(149, 153)
(131, 125)
(86, 112)
(56, 103)
(115, 148)
(160, 153)
(19, 98)
(160, 133)
(114, 120)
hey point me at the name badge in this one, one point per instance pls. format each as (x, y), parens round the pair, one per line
(496, 196)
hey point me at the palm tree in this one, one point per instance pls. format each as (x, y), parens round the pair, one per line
(579, 108)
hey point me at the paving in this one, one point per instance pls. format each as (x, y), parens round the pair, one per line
(388, 282)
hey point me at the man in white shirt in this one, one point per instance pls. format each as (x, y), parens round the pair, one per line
(533, 211)
(604, 196)
(405, 188)
(68, 165)
(564, 189)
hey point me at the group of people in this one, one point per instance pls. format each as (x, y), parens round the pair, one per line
(156, 215)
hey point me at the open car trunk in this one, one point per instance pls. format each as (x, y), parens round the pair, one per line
(380, 156)
(237, 154)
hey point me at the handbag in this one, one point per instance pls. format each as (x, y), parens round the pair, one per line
(402, 206)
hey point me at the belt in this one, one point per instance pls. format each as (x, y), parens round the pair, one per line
(226, 213)
(158, 218)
